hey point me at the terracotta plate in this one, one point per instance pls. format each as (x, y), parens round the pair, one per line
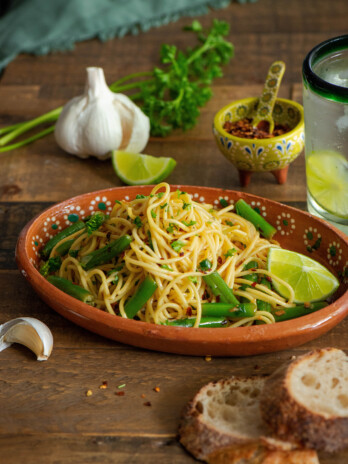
(296, 231)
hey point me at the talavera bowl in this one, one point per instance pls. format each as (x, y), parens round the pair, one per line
(296, 230)
(255, 155)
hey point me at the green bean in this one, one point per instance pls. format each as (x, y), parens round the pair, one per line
(79, 225)
(247, 212)
(220, 289)
(64, 247)
(228, 310)
(138, 300)
(105, 254)
(205, 322)
(298, 311)
(71, 289)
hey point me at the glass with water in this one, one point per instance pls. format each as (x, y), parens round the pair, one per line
(325, 100)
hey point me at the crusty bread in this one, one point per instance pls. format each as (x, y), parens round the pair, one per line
(222, 424)
(307, 400)
(221, 414)
(259, 454)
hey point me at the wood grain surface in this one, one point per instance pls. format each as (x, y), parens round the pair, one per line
(45, 415)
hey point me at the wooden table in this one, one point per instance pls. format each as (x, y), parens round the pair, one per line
(45, 415)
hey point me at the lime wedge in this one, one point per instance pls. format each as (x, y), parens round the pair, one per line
(310, 280)
(327, 180)
(140, 169)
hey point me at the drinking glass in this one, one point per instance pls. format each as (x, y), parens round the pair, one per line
(325, 101)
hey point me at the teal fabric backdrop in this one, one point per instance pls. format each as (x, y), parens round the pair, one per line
(43, 26)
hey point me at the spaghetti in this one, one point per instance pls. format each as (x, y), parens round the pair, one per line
(172, 236)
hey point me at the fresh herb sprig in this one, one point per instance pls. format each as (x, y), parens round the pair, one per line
(95, 222)
(175, 92)
(170, 95)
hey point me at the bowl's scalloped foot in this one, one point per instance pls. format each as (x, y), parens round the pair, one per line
(244, 177)
(281, 174)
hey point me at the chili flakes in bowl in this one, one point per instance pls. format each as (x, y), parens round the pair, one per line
(243, 128)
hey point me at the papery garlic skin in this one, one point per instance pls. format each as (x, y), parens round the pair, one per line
(100, 120)
(29, 332)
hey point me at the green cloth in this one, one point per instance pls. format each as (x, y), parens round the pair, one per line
(43, 26)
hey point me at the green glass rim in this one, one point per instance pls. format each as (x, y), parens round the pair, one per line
(316, 83)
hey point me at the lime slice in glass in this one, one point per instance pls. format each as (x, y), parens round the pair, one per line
(309, 279)
(327, 180)
(140, 169)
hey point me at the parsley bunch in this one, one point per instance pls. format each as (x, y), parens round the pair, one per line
(170, 95)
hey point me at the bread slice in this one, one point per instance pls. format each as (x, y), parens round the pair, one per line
(224, 419)
(307, 400)
(259, 454)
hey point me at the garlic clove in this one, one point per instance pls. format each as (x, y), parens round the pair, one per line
(67, 132)
(138, 127)
(29, 332)
(97, 121)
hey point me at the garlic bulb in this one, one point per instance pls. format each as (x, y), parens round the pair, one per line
(100, 121)
(29, 332)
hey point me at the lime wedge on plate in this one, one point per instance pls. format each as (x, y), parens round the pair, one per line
(327, 180)
(140, 169)
(310, 280)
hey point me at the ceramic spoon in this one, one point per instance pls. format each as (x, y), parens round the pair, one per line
(264, 109)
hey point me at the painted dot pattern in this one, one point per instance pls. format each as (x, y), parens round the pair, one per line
(334, 253)
(285, 224)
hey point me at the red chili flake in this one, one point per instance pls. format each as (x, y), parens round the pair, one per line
(269, 278)
(217, 298)
(253, 269)
(157, 389)
(147, 403)
(219, 260)
(142, 395)
(280, 312)
(256, 367)
(120, 393)
(189, 311)
(104, 385)
(254, 284)
(181, 254)
(243, 128)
